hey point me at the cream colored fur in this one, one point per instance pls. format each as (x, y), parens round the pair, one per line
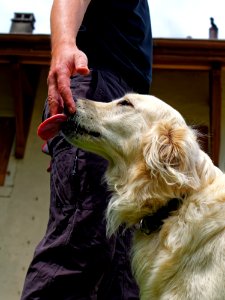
(154, 157)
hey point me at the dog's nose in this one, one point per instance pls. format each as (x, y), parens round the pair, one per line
(69, 126)
(71, 120)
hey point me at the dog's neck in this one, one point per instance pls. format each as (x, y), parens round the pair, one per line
(154, 222)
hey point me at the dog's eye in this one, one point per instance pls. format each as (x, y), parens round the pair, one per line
(125, 102)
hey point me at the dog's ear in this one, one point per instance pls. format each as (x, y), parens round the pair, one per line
(171, 151)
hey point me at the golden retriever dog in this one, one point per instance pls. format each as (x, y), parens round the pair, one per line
(165, 187)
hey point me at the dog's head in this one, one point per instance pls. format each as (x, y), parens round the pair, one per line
(153, 155)
(137, 127)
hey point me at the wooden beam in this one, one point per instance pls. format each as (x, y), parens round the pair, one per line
(24, 80)
(7, 133)
(181, 67)
(187, 53)
(215, 89)
(17, 92)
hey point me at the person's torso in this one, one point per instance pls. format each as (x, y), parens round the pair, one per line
(116, 35)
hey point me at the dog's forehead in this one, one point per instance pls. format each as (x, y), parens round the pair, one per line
(145, 101)
(152, 106)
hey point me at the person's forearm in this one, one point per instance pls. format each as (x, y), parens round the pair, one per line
(66, 18)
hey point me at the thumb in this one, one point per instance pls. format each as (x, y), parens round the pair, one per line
(81, 63)
(82, 70)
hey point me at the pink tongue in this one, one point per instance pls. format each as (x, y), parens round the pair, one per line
(51, 126)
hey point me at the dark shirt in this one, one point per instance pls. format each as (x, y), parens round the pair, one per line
(116, 35)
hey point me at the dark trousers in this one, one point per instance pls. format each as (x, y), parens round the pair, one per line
(75, 260)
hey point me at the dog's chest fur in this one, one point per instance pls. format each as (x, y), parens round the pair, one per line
(184, 257)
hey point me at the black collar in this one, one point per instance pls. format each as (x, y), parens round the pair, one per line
(152, 223)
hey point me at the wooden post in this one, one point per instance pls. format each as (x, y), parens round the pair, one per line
(215, 111)
(17, 91)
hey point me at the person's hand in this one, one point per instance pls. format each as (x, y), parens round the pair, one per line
(66, 61)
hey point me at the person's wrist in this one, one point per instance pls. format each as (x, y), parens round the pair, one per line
(62, 45)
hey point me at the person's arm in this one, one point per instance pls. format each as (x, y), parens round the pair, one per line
(67, 59)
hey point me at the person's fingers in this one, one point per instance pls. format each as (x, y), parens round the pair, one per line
(55, 102)
(63, 84)
(59, 92)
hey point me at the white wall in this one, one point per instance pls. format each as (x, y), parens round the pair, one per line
(24, 208)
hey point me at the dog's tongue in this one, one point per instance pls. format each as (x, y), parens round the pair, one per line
(51, 126)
